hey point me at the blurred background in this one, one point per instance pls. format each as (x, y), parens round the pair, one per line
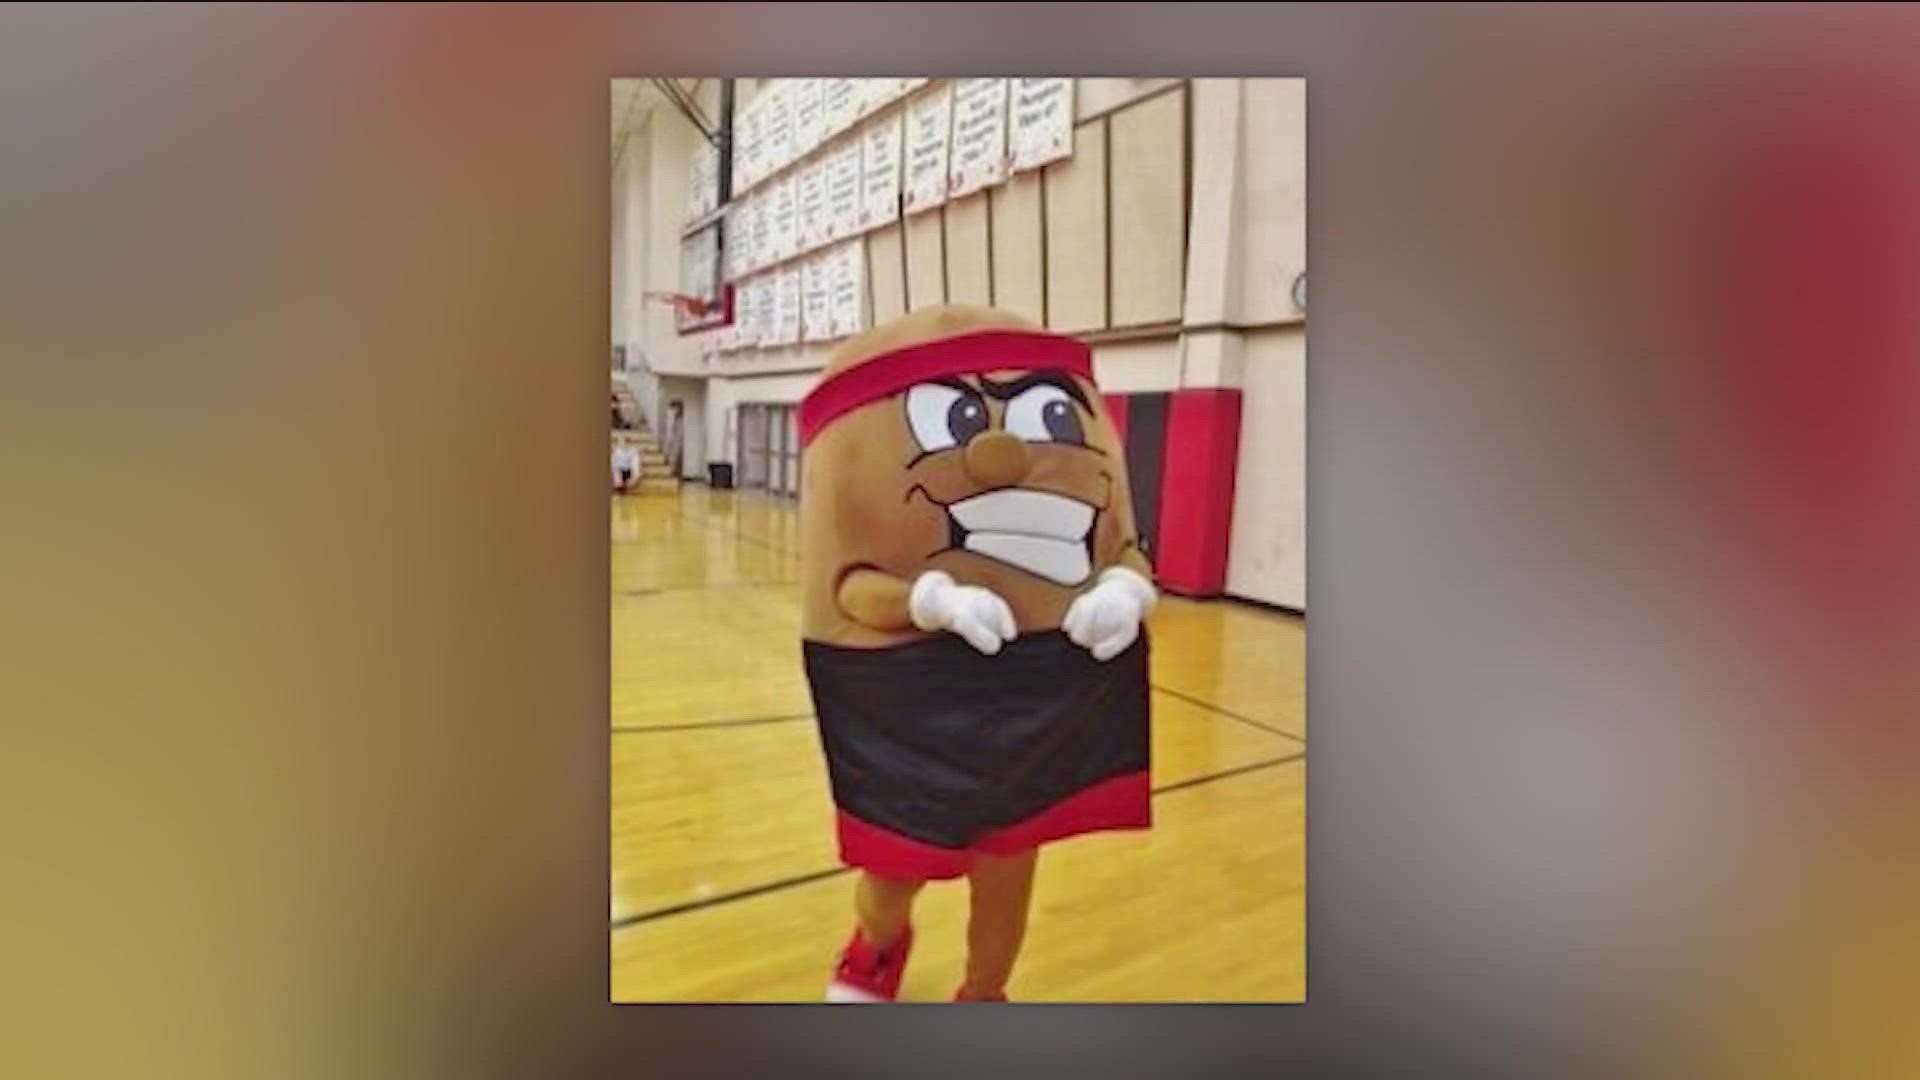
(1611, 422)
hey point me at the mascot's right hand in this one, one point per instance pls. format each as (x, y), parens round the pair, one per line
(976, 614)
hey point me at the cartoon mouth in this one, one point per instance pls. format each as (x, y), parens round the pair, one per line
(1039, 532)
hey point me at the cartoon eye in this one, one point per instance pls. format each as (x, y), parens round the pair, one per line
(943, 417)
(1045, 414)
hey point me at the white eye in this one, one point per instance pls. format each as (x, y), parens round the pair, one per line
(1045, 414)
(943, 416)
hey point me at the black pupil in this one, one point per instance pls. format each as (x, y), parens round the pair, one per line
(966, 417)
(1062, 422)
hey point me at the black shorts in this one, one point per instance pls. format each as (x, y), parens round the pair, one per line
(936, 752)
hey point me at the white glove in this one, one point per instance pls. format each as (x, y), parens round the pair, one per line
(1105, 619)
(974, 613)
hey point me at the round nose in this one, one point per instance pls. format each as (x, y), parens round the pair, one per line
(996, 459)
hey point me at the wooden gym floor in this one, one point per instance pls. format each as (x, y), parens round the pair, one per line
(725, 882)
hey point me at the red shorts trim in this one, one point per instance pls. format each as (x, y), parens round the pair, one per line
(1122, 802)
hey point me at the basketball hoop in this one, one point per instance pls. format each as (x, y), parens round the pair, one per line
(687, 307)
(694, 314)
(704, 300)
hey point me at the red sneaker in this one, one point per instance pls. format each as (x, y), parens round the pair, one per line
(867, 975)
(962, 995)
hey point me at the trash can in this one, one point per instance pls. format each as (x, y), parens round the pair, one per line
(720, 474)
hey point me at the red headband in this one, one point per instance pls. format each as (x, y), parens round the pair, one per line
(971, 354)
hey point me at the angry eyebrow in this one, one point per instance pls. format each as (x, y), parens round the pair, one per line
(956, 384)
(1004, 391)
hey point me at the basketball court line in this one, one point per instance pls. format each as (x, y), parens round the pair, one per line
(745, 721)
(820, 875)
(1228, 713)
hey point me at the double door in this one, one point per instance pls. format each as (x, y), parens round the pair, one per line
(770, 448)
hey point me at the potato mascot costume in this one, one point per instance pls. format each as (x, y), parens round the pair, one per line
(972, 594)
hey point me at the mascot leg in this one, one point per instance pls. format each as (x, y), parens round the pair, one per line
(883, 905)
(1002, 890)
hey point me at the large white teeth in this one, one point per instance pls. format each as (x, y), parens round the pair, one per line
(1027, 513)
(1037, 531)
(1058, 561)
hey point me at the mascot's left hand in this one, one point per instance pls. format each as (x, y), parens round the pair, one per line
(1105, 619)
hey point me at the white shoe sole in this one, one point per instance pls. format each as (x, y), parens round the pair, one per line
(842, 994)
